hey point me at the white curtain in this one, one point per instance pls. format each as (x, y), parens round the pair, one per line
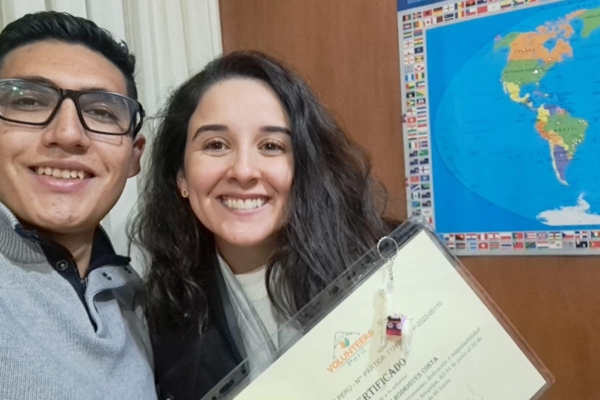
(172, 39)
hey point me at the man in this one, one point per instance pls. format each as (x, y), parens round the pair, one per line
(70, 325)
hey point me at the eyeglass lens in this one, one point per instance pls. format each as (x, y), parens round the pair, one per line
(34, 103)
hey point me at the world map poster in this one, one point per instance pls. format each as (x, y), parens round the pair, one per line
(501, 122)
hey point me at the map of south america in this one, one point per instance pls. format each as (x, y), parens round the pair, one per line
(531, 57)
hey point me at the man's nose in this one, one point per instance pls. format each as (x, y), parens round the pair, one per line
(66, 129)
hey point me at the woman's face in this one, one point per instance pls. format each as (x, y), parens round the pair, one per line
(238, 165)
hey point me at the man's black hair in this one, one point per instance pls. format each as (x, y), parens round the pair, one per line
(63, 27)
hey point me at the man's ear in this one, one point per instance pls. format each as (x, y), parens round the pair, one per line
(138, 149)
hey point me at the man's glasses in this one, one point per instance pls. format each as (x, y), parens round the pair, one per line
(35, 103)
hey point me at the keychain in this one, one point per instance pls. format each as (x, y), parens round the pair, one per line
(397, 327)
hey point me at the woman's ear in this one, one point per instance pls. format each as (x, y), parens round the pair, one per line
(182, 185)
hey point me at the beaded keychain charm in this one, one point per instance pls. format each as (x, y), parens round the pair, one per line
(398, 327)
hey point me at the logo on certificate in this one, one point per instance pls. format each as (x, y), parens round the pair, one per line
(348, 346)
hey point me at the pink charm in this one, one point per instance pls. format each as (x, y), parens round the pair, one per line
(394, 326)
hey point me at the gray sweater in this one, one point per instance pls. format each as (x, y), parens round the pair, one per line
(49, 347)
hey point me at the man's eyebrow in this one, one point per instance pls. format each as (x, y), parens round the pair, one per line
(275, 129)
(41, 79)
(210, 127)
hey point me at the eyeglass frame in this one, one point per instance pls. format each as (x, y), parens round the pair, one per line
(74, 96)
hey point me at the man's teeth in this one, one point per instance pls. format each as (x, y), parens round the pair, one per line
(61, 173)
(248, 204)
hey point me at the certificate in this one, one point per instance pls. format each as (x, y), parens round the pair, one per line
(462, 347)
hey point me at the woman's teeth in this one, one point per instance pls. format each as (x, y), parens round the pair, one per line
(248, 204)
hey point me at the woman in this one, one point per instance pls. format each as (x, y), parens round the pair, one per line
(255, 201)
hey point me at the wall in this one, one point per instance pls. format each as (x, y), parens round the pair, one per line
(348, 51)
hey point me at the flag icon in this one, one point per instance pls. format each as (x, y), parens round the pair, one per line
(483, 246)
(568, 235)
(518, 245)
(406, 17)
(505, 236)
(555, 244)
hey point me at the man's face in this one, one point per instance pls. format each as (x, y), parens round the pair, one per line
(59, 177)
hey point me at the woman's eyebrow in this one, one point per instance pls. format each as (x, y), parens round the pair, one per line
(210, 127)
(275, 129)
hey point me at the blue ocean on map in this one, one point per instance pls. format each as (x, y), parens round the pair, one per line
(492, 170)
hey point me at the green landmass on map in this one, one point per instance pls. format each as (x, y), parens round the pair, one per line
(524, 72)
(591, 21)
(506, 40)
(572, 130)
